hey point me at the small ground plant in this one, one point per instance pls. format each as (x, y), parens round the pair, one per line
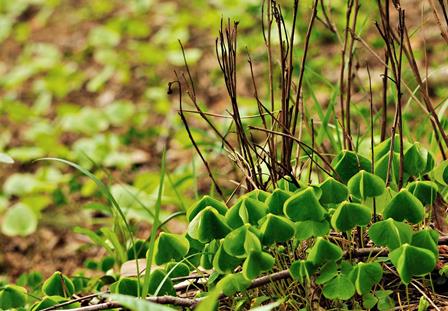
(321, 219)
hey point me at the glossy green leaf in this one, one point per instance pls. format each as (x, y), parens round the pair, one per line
(425, 191)
(240, 242)
(19, 220)
(382, 164)
(156, 278)
(412, 261)
(276, 229)
(257, 263)
(12, 296)
(365, 185)
(333, 191)
(208, 225)
(301, 270)
(324, 251)
(339, 288)
(276, 201)
(405, 206)
(206, 201)
(348, 163)
(259, 195)
(307, 229)
(365, 275)
(415, 160)
(390, 233)
(349, 215)
(440, 173)
(177, 269)
(303, 206)
(233, 283)
(58, 285)
(246, 210)
(428, 239)
(126, 286)
(327, 272)
(170, 246)
(225, 263)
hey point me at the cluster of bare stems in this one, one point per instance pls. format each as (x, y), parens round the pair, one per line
(283, 113)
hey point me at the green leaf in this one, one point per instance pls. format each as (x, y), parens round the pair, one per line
(155, 279)
(208, 225)
(348, 163)
(246, 210)
(339, 288)
(428, 239)
(170, 246)
(324, 251)
(425, 191)
(365, 185)
(126, 286)
(440, 173)
(259, 195)
(177, 269)
(12, 296)
(240, 242)
(307, 229)
(233, 283)
(369, 301)
(137, 304)
(415, 160)
(327, 272)
(276, 229)
(256, 263)
(333, 191)
(276, 201)
(390, 233)
(19, 220)
(203, 203)
(349, 215)
(301, 270)
(412, 261)
(405, 206)
(58, 285)
(365, 276)
(225, 263)
(304, 206)
(382, 164)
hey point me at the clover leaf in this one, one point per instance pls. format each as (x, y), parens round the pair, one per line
(333, 191)
(365, 185)
(405, 206)
(412, 261)
(303, 206)
(324, 251)
(348, 163)
(276, 229)
(365, 275)
(390, 233)
(256, 263)
(208, 225)
(349, 215)
(170, 246)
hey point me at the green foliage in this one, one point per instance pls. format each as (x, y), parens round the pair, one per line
(12, 297)
(390, 233)
(304, 206)
(405, 206)
(365, 185)
(412, 261)
(349, 215)
(58, 285)
(170, 246)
